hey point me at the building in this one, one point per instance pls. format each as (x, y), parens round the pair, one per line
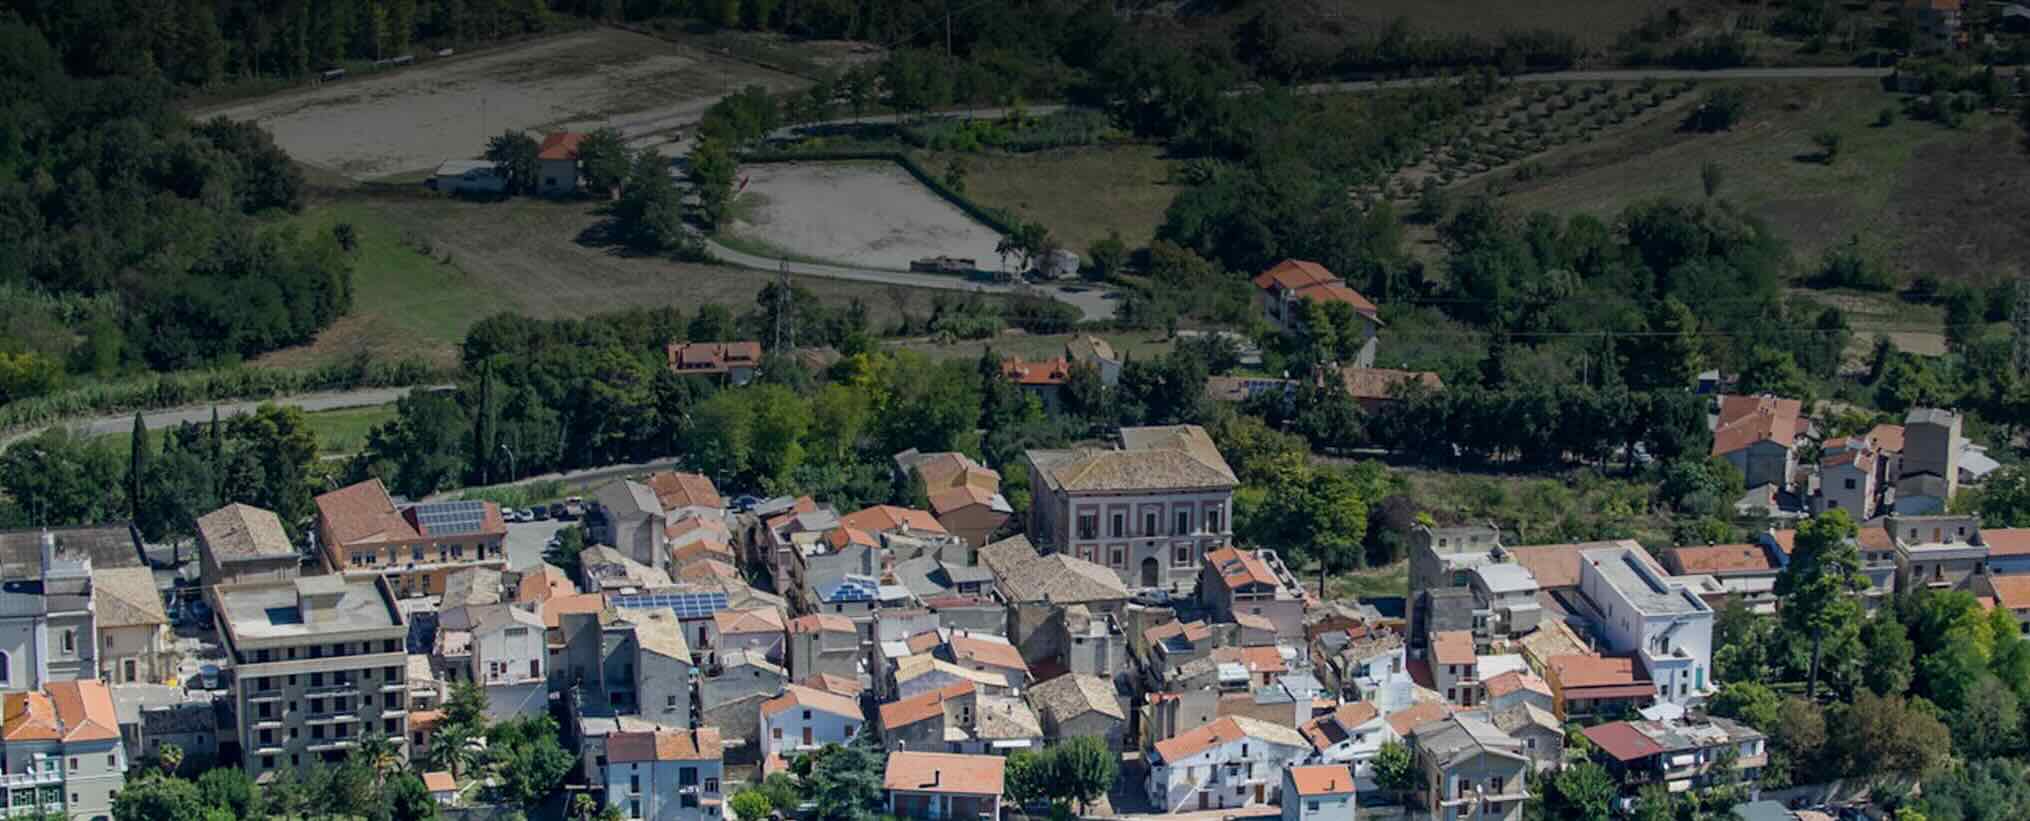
(467, 176)
(1075, 704)
(1148, 511)
(1281, 292)
(240, 543)
(557, 163)
(1375, 388)
(759, 631)
(803, 719)
(2011, 593)
(1681, 755)
(1318, 792)
(1847, 481)
(665, 775)
(47, 623)
(964, 494)
(1929, 472)
(1747, 571)
(362, 535)
(1937, 552)
(1352, 734)
(1758, 435)
(628, 516)
(1441, 561)
(1470, 769)
(318, 662)
(1097, 353)
(510, 660)
(133, 627)
(627, 661)
(1237, 583)
(1937, 24)
(737, 362)
(942, 785)
(1648, 613)
(62, 749)
(442, 786)
(1586, 685)
(1455, 667)
(824, 644)
(1232, 762)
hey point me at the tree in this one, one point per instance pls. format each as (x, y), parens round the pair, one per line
(526, 758)
(1886, 667)
(158, 799)
(570, 543)
(170, 756)
(137, 466)
(1721, 109)
(1828, 142)
(1887, 735)
(1587, 792)
(1028, 778)
(1395, 769)
(1987, 720)
(604, 161)
(409, 799)
(514, 158)
(1109, 256)
(1817, 587)
(466, 706)
(381, 755)
(1083, 769)
(650, 214)
(230, 789)
(712, 171)
(59, 479)
(752, 805)
(845, 782)
(1711, 176)
(583, 806)
(451, 749)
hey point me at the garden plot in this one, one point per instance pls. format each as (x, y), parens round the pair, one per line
(870, 214)
(409, 120)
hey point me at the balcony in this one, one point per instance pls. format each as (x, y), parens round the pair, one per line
(395, 687)
(330, 718)
(329, 744)
(31, 779)
(334, 688)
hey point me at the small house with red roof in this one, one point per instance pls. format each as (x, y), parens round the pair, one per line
(1229, 763)
(68, 721)
(1281, 292)
(1238, 583)
(736, 361)
(1043, 379)
(1318, 792)
(557, 163)
(1759, 436)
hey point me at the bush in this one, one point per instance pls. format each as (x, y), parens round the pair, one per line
(1721, 109)
(1849, 265)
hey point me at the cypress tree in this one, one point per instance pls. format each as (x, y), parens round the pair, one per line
(137, 466)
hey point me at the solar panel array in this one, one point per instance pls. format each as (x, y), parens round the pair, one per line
(451, 518)
(853, 588)
(687, 605)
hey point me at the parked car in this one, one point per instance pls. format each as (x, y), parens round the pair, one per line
(208, 677)
(574, 506)
(1152, 597)
(744, 503)
(539, 513)
(561, 512)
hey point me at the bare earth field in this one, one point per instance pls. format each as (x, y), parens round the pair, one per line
(413, 119)
(870, 214)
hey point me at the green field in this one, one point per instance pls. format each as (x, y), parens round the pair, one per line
(339, 432)
(1080, 194)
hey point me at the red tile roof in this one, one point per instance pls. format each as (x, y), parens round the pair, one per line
(543, 583)
(2007, 541)
(921, 707)
(439, 781)
(1887, 437)
(1295, 274)
(1347, 717)
(1045, 372)
(889, 518)
(562, 145)
(833, 684)
(69, 711)
(679, 490)
(2012, 592)
(1423, 712)
(1190, 743)
(1621, 740)
(1875, 537)
(712, 357)
(757, 620)
(1722, 558)
(702, 744)
(1380, 383)
(1513, 681)
(1453, 647)
(364, 514)
(945, 773)
(1238, 569)
(1746, 420)
(993, 653)
(951, 499)
(1588, 676)
(1338, 292)
(1322, 779)
(558, 606)
(804, 697)
(821, 623)
(1194, 632)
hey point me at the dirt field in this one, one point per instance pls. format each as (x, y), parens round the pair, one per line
(518, 255)
(413, 119)
(871, 214)
(1123, 188)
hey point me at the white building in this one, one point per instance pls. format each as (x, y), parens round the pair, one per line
(1149, 511)
(1352, 735)
(1319, 792)
(47, 626)
(1645, 611)
(1233, 762)
(666, 775)
(509, 659)
(802, 719)
(461, 176)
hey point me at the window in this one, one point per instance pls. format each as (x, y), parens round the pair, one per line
(1850, 484)
(1148, 523)
(70, 641)
(1088, 525)
(1182, 520)
(1495, 785)
(416, 553)
(317, 679)
(1212, 520)
(711, 786)
(775, 733)
(1310, 806)
(670, 702)
(1494, 808)
(1183, 554)
(633, 807)
(1117, 526)
(110, 762)
(634, 783)
(807, 715)
(1116, 557)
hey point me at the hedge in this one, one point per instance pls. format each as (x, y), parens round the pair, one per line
(154, 391)
(993, 218)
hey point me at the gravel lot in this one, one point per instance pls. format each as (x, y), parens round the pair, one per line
(525, 541)
(411, 119)
(870, 214)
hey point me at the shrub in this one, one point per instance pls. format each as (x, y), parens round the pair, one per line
(1721, 109)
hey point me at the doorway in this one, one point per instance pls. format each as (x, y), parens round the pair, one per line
(1150, 568)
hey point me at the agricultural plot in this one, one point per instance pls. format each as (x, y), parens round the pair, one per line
(871, 214)
(411, 119)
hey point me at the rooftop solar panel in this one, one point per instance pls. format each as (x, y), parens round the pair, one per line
(451, 518)
(687, 605)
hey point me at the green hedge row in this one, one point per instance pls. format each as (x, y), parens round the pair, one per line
(992, 217)
(191, 387)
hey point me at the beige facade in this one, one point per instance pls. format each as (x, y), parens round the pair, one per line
(319, 662)
(1149, 511)
(133, 627)
(362, 535)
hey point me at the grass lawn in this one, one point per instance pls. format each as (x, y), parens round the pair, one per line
(1080, 194)
(1133, 344)
(339, 432)
(1578, 506)
(1381, 582)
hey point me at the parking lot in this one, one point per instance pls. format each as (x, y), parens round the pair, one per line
(525, 541)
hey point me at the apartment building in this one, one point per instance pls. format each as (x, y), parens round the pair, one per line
(318, 662)
(1937, 552)
(363, 535)
(510, 661)
(666, 775)
(1646, 612)
(1319, 792)
(1681, 755)
(61, 749)
(1469, 769)
(1149, 511)
(942, 785)
(1231, 762)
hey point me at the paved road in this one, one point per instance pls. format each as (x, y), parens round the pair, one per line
(1094, 302)
(169, 418)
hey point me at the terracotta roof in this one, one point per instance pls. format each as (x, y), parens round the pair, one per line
(1723, 558)
(1863, 459)
(839, 538)
(680, 490)
(1745, 420)
(364, 514)
(1322, 779)
(821, 623)
(712, 525)
(2012, 592)
(1621, 740)
(707, 570)
(1224, 730)
(1380, 383)
(1073, 694)
(1513, 681)
(1252, 621)
(1453, 647)
(1239, 568)
(557, 606)
(888, 518)
(439, 781)
(1192, 631)
(950, 499)
(1587, 671)
(992, 653)
(1887, 437)
(1045, 372)
(757, 620)
(950, 469)
(424, 719)
(562, 145)
(1786, 540)
(922, 706)
(1338, 292)
(701, 549)
(945, 773)
(803, 697)
(2006, 541)
(1327, 730)
(1256, 659)
(712, 357)
(924, 642)
(543, 583)
(1423, 712)
(126, 597)
(240, 532)
(1557, 565)
(702, 744)
(1295, 274)
(829, 683)
(69, 711)
(1875, 537)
